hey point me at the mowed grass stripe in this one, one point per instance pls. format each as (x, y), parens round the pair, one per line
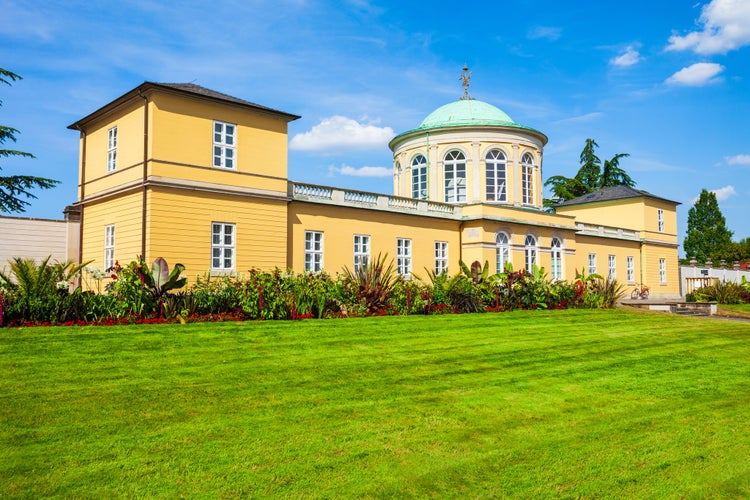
(530, 403)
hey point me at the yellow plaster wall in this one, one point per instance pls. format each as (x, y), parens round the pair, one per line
(125, 213)
(340, 224)
(182, 132)
(603, 248)
(180, 229)
(129, 122)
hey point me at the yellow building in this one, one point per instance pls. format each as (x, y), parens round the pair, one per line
(200, 177)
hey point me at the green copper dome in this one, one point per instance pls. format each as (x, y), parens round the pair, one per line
(466, 112)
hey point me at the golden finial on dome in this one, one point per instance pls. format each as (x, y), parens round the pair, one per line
(465, 77)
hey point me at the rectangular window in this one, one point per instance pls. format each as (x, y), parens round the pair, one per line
(441, 257)
(222, 246)
(660, 219)
(419, 183)
(612, 262)
(592, 263)
(313, 251)
(112, 149)
(225, 145)
(109, 247)
(455, 183)
(403, 257)
(631, 269)
(527, 186)
(361, 250)
(663, 271)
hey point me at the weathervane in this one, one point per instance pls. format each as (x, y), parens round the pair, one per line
(465, 77)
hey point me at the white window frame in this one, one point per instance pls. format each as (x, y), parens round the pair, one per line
(454, 182)
(502, 251)
(403, 257)
(314, 251)
(109, 247)
(419, 177)
(361, 250)
(663, 271)
(441, 257)
(556, 257)
(527, 179)
(631, 269)
(112, 149)
(592, 263)
(225, 145)
(223, 245)
(530, 252)
(496, 176)
(611, 267)
(660, 219)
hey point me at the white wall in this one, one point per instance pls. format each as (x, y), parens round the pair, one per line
(37, 239)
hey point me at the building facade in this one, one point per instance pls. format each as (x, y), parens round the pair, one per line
(200, 177)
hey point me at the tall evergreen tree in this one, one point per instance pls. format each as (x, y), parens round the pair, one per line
(14, 186)
(590, 177)
(707, 234)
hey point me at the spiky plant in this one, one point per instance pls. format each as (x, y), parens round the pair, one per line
(374, 282)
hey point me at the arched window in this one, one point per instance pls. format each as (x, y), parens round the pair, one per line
(556, 259)
(495, 170)
(530, 252)
(419, 177)
(502, 251)
(455, 177)
(527, 179)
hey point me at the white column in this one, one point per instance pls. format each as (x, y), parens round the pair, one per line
(476, 174)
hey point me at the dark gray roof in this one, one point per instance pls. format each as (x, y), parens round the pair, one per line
(612, 193)
(186, 88)
(197, 89)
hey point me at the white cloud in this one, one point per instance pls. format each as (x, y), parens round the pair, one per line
(726, 26)
(361, 171)
(724, 193)
(628, 58)
(738, 160)
(548, 32)
(588, 117)
(721, 194)
(341, 133)
(697, 75)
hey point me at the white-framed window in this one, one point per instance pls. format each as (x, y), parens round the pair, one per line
(495, 176)
(631, 269)
(225, 144)
(222, 246)
(419, 177)
(455, 177)
(663, 271)
(361, 250)
(527, 179)
(612, 267)
(660, 219)
(403, 256)
(109, 246)
(592, 263)
(313, 251)
(502, 251)
(530, 252)
(556, 251)
(441, 257)
(112, 149)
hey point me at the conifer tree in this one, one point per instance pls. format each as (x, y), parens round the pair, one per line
(14, 186)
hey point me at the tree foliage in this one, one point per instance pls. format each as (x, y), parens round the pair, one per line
(14, 186)
(592, 176)
(707, 234)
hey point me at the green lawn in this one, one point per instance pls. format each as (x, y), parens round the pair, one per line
(734, 310)
(524, 404)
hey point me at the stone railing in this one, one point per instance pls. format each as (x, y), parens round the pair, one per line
(352, 198)
(615, 232)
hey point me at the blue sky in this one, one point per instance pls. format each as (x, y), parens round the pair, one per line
(667, 82)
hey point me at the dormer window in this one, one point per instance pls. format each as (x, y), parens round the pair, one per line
(225, 141)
